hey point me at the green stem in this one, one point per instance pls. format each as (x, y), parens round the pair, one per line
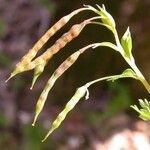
(140, 76)
(97, 80)
(131, 63)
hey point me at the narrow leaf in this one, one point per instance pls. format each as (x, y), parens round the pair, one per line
(128, 73)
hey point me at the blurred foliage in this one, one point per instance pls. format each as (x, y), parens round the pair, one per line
(49, 4)
(7, 142)
(5, 60)
(18, 84)
(120, 101)
(2, 27)
(30, 141)
(3, 120)
(32, 136)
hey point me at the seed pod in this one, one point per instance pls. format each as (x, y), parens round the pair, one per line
(59, 71)
(37, 72)
(69, 106)
(58, 45)
(21, 66)
(61, 42)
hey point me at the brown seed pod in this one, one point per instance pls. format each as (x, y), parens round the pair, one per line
(21, 66)
(59, 44)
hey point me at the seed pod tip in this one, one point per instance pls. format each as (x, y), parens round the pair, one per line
(47, 135)
(35, 118)
(11, 76)
(33, 81)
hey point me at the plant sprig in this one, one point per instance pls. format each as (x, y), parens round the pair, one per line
(122, 46)
(144, 111)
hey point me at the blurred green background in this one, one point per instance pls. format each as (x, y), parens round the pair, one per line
(22, 23)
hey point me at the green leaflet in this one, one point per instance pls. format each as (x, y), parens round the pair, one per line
(126, 42)
(128, 73)
(144, 111)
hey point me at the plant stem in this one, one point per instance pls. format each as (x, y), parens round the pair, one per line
(140, 76)
(97, 80)
(131, 63)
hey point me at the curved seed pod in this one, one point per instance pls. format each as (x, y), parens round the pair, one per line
(69, 106)
(58, 45)
(38, 45)
(61, 42)
(58, 72)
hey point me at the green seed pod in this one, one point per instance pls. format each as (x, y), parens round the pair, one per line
(69, 106)
(37, 72)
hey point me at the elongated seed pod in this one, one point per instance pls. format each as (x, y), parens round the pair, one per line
(58, 72)
(26, 59)
(69, 106)
(59, 44)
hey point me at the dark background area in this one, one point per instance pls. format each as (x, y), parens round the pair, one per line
(93, 123)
